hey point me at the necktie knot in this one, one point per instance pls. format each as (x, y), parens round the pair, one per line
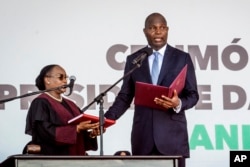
(155, 68)
(156, 55)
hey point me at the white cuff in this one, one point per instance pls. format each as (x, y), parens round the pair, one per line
(177, 109)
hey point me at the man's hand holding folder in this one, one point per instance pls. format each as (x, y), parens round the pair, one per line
(146, 93)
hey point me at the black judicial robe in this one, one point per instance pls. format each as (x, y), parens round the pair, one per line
(47, 123)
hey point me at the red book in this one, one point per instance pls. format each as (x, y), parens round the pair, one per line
(94, 119)
(145, 93)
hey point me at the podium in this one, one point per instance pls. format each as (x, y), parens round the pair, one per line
(90, 161)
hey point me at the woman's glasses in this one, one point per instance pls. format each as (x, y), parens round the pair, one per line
(61, 77)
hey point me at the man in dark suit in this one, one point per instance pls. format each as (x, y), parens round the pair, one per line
(154, 131)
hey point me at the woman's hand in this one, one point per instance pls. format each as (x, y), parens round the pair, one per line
(86, 125)
(96, 132)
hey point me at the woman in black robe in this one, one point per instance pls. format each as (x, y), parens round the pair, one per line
(48, 115)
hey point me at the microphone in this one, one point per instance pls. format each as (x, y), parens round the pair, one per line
(143, 54)
(71, 84)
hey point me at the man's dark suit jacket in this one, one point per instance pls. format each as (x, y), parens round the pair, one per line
(167, 130)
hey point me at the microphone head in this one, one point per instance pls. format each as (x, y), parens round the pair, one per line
(72, 78)
(71, 84)
(148, 50)
(142, 54)
(71, 81)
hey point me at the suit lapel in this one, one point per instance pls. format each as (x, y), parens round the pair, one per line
(166, 64)
(146, 71)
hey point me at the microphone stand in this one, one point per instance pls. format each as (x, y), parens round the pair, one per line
(99, 100)
(33, 93)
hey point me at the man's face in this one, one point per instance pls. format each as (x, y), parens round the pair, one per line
(156, 32)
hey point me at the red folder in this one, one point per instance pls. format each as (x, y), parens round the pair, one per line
(145, 93)
(94, 119)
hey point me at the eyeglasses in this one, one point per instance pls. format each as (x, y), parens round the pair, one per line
(61, 77)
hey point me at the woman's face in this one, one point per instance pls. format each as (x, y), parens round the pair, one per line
(55, 78)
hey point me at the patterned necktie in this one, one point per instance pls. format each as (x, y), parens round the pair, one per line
(155, 68)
